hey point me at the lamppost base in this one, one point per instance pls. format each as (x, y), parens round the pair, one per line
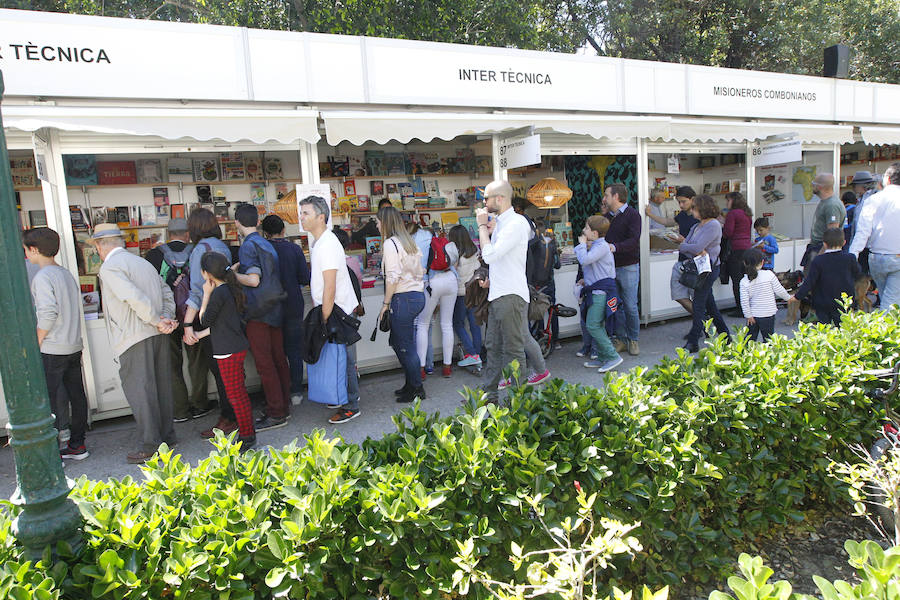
(42, 526)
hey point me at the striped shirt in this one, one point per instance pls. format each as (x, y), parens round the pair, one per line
(758, 296)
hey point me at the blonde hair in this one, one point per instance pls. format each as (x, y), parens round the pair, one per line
(392, 226)
(598, 223)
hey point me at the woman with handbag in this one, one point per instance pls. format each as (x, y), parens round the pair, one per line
(736, 230)
(704, 238)
(404, 297)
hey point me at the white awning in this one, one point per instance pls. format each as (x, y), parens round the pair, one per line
(880, 136)
(358, 127)
(201, 124)
(690, 130)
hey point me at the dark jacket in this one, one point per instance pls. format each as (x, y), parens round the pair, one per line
(477, 296)
(341, 328)
(625, 234)
(830, 274)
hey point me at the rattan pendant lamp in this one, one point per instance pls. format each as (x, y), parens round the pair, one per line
(549, 193)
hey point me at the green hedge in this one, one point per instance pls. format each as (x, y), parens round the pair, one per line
(703, 450)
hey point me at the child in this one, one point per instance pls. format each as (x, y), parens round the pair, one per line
(57, 298)
(598, 296)
(832, 273)
(220, 315)
(765, 243)
(758, 290)
(464, 257)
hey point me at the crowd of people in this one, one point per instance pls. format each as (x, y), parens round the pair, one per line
(190, 297)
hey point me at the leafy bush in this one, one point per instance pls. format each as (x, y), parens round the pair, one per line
(703, 450)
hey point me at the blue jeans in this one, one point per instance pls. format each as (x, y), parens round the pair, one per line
(461, 315)
(885, 270)
(292, 330)
(405, 307)
(588, 345)
(627, 280)
(352, 379)
(704, 307)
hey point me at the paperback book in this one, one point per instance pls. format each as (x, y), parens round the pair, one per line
(179, 170)
(273, 169)
(254, 168)
(375, 163)
(81, 169)
(161, 196)
(232, 166)
(206, 169)
(116, 172)
(149, 170)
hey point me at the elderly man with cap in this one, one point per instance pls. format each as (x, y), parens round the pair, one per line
(171, 261)
(138, 307)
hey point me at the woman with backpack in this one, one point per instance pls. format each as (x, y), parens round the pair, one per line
(464, 257)
(441, 287)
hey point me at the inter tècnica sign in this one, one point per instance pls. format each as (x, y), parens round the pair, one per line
(520, 151)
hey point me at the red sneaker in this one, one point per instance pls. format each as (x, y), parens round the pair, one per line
(539, 378)
(448, 371)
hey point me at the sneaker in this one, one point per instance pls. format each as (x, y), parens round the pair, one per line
(593, 364)
(181, 419)
(423, 373)
(538, 378)
(470, 360)
(266, 422)
(633, 348)
(581, 354)
(333, 406)
(402, 390)
(223, 425)
(196, 413)
(74, 452)
(447, 371)
(411, 395)
(619, 345)
(504, 383)
(557, 346)
(296, 399)
(429, 370)
(343, 415)
(610, 365)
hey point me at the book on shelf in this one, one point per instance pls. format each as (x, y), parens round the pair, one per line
(149, 170)
(204, 194)
(357, 166)
(349, 187)
(376, 189)
(176, 211)
(254, 168)
(483, 165)
(707, 188)
(22, 170)
(466, 159)
(116, 172)
(122, 216)
(88, 283)
(258, 193)
(206, 169)
(162, 215)
(132, 239)
(230, 232)
(281, 189)
(373, 244)
(161, 196)
(432, 188)
(324, 170)
(79, 218)
(232, 166)
(100, 215)
(375, 163)
(432, 163)
(363, 204)
(392, 188)
(340, 165)
(220, 209)
(395, 163)
(90, 258)
(406, 189)
(147, 214)
(179, 170)
(81, 169)
(219, 192)
(471, 225)
(273, 169)
(418, 165)
(563, 234)
(90, 304)
(449, 218)
(148, 239)
(396, 200)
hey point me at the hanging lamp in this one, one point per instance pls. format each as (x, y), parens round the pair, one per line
(549, 192)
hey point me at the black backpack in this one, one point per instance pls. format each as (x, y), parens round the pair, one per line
(542, 259)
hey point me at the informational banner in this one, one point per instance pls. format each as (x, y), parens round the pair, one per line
(522, 151)
(777, 153)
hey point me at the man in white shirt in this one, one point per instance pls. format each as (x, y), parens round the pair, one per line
(876, 229)
(504, 247)
(330, 285)
(659, 210)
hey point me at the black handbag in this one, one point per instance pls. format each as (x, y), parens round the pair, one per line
(385, 323)
(688, 275)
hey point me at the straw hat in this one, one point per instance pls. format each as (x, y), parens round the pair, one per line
(105, 230)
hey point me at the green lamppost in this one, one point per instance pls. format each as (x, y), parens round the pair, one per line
(48, 516)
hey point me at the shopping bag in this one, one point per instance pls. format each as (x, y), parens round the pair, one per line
(328, 376)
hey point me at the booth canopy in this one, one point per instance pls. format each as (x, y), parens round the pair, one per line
(358, 127)
(692, 130)
(230, 125)
(877, 136)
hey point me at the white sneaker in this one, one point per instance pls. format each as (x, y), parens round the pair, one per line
(297, 399)
(64, 436)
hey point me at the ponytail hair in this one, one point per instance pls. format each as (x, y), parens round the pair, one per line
(219, 267)
(752, 258)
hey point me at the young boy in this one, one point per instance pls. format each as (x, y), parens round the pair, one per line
(56, 298)
(765, 243)
(831, 273)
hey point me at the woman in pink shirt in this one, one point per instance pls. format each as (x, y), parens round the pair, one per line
(737, 228)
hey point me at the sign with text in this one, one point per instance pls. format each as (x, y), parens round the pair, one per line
(777, 153)
(518, 152)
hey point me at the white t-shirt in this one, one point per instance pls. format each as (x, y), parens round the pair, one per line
(326, 254)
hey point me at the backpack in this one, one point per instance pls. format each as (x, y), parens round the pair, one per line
(541, 260)
(437, 254)
(269, 294)
(175, 271)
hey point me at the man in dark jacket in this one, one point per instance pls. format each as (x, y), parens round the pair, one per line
(624, 238)
(171, 260)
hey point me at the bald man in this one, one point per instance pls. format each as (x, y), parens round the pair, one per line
(830, 214)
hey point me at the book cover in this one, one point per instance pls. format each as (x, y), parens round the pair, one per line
(433, 163)
(99, 215)
(149, 170)
(81, 169)
(449, 218)
(707, 188)
(395, 163)
(176, 211)
(363, 204)
(273, 169)
(483, 165)
(204, 194)
(392, 188)
(254, 168)
(406, 189)
(161, 196)
(79, 218)
(123, 216)
(221, 211)
(91, 259)
(280, 190)
(132, 240)
(230, 232)
(232, 166)
(375, 163)
(90, 303)
(22, 169)
(340, 166)
(162, 215)
(88, 283)
(563, 234)
(432, 188)
(418, 165)
(116, 172)
(147, 214)
(373, 244)
(206, 169)
(376, 189)
(357, 167)
(258, 193)
(179, 169)
(471, 226)
(466, 159)
(324, 170)
(350, 187)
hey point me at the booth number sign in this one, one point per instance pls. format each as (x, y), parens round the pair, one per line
(777, 153)
(520, 151)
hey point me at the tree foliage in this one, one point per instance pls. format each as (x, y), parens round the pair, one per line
(770, 35)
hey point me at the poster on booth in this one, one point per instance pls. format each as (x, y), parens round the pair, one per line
(775, 182)
(322, 190)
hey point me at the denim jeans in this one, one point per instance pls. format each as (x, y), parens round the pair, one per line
(352, 379)
(292, 330)
(596, 324)
(461, 315)
(764, 326)
(588, 345)
(885, 270)
(405, 307)
(627, 280)
(705, 307)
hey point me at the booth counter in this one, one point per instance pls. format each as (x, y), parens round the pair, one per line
(599, 121)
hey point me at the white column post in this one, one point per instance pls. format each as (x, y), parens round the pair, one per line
(643, 186)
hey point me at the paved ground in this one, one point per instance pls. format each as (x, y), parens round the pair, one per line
(111, 440)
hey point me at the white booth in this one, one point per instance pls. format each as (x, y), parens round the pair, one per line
(220, 115)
